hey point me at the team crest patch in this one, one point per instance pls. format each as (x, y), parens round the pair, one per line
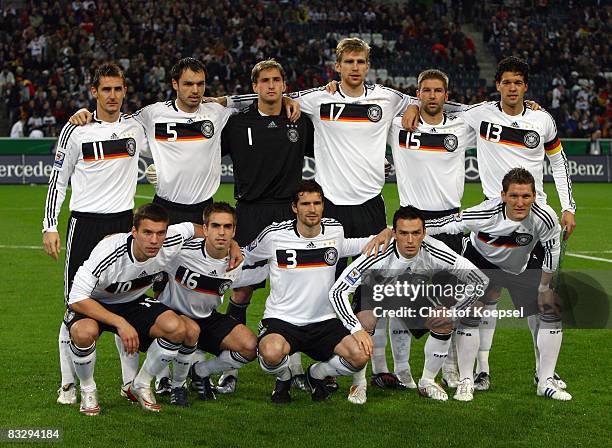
(375, 113)
(523, 239)
(331, 256)
(208, 129)
(531, 139)
(224, 287)
(353, 276)
(293, 135)
(451, 142)
(130, 146)
(59, 159)
(252, 246)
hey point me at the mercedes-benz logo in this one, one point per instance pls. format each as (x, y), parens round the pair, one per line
(142, 167)
(471, 168)
(308, 171)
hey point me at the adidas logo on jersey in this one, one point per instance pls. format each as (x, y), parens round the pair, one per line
(433, 131)
(114, 136)
(190, 121)
(514, 124)
(143, 274)
(213, 272)
(310, 245)
(272, 125)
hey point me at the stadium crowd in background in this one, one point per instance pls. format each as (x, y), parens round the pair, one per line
(50, 49)
(569, 57)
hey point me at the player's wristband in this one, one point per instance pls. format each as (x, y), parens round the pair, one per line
(543, 288)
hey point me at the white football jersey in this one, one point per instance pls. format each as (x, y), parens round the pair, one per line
(112, 274)
(502, 241)
(350, 138)
(512, 141)
(302, 270)
(198, 281)
(100, 160)
(186, 149)
(430, 162)
(434, 256)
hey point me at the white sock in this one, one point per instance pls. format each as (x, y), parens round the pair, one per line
(467, 340)
(199, 356)
(129, 362)
(335, 366)
(534, 325)
(450, 363)
(65, 355)
(281, 370)
(379, 354)
(295, 364)
(487, 331)
(84, 360)
(160, 353)
(436, 350)
(181, 366)
(359, 378)
(550, 337)
(226, 360)
(401, 339)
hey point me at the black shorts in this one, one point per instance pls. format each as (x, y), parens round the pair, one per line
(140, 314)
(253, 217)
(183, 212)
(452, 240)
(523, 288)
(316, 340)
(213, 329)
(85, 231)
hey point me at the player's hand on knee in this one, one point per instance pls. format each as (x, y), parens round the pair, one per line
(51, 241)
(332, 87)
(548, 302)
(151, 174)
(440, 323)
(568, 223)
(81, 117)
(292, 108)
(365, 341)
(129, 337)
(410, 119)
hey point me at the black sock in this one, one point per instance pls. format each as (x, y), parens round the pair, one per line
(237, 311)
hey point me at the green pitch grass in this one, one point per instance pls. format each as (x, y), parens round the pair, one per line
(509, 414)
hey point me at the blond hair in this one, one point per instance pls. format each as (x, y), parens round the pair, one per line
(352, 45)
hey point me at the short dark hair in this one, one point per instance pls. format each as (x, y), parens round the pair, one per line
(433, 73)
(518, 176)
(152, 212)
(193, 64)
(307, 186)
(514, 65)
(268, 64)
(219, 207)
(409, 212)
(109, 69)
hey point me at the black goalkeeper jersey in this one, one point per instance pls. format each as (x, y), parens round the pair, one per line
(267, 153)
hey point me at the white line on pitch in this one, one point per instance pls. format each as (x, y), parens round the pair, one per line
(8, 246)
(586, 257)
(138, 196)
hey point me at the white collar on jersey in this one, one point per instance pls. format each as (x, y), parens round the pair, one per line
(298, 233)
